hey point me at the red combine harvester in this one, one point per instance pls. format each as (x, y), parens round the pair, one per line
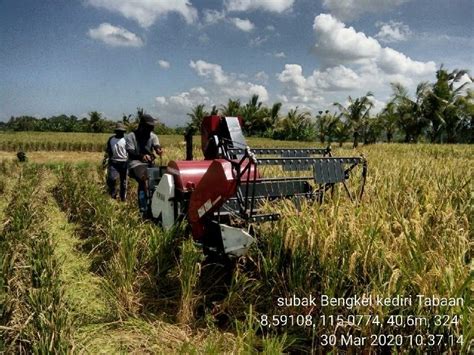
(221, 195)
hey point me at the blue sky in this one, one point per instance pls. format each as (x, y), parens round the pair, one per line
(166, 56)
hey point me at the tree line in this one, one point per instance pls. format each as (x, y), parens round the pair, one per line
(439, 112)
(94, 123)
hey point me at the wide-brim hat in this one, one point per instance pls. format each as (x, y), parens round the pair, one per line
(149, 120)
(119, 127)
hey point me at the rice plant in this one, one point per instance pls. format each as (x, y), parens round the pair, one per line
(189, 269)
(34, 315)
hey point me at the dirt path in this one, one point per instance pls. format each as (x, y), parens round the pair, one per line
(83, 288)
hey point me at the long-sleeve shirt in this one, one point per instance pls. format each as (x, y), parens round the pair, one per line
(136, 149)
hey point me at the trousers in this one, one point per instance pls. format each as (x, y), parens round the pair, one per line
(117, 170)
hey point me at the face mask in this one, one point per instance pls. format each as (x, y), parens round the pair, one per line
(148, 128)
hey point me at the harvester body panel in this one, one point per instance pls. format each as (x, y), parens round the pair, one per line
(216, 186)
(188, 173)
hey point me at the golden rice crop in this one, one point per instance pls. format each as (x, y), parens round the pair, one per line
(411, 234)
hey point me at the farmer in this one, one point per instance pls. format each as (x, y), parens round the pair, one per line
(116, 155)
(142, 145)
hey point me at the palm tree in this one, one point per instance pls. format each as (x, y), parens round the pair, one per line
(232, 108)
(270, 118)
(342, 131)
(373, 127)
(129, 123)
(96, 122)
(325, 125)
(259, 120)
(275, 113)
(466, 106)
(197, 114)
(445, 104)
(252, 115)
(388, 119)
(411, 118)
(356, 112)
(295, 126)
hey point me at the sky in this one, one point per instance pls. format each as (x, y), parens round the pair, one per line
(167, 56)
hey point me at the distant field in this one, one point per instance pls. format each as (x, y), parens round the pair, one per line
(53, 141)
(91, 142)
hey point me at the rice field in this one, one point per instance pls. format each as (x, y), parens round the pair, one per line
(86, 142)
(83, 273)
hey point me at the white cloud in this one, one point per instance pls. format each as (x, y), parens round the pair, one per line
(188, 99)
(351, 9)
(280, 55)
(172, 110)
(393, 62)
(210, 70)
(228, 84)
(161, 100)
(378, 105)
(293, 73)
(258, 41)
(338, 44)
(199, 91)
(243, 25)
(115, 36)
(335, 79)
(331, 79)
(261, 76)
(164, 64)
(352, 64)
(204, 38)
(268, 5)
(270, 28)
(336, 40)
(464, 79)
(213, 16)
(393, 31)
(146, 12)
(219, 89)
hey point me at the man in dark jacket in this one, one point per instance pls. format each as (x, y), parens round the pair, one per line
(142, 145)
(117, 162)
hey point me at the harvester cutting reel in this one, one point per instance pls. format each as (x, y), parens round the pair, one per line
(221, 197)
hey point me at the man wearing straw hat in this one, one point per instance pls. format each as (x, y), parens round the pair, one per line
(117, 162)
(142, 145)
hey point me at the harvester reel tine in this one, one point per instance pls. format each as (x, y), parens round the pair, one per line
(364, 177)
(347, 190)
(297, 203)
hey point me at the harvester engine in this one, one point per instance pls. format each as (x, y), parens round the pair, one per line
(221, 196)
